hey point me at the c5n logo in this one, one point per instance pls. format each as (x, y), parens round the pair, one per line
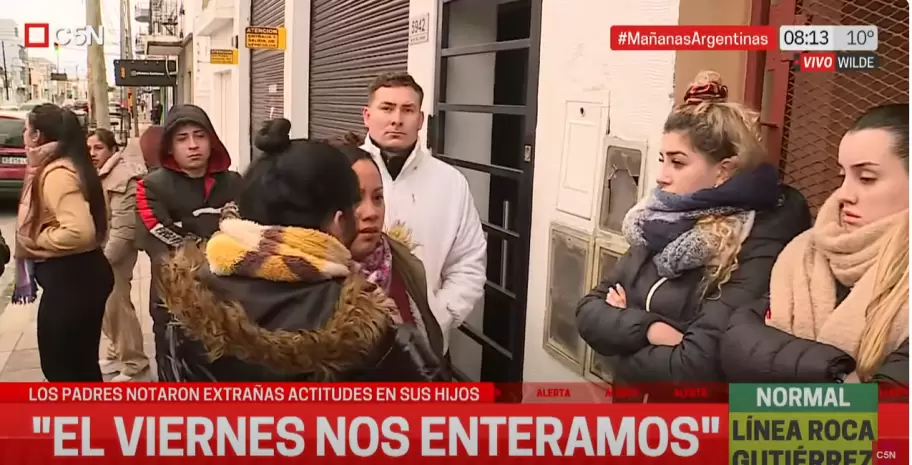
(81, 36)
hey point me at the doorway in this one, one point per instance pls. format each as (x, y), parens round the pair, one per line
(484, 125)
(223, 96)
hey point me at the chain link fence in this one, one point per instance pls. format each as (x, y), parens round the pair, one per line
(820, 107)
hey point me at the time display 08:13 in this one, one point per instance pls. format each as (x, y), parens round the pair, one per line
(806, 37)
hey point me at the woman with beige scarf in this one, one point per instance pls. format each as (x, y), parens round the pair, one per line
(61, 226)
(839, 293)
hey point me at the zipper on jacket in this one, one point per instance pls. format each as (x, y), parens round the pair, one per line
(652, 291)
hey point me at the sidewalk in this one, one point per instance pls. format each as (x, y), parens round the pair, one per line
(19, 359)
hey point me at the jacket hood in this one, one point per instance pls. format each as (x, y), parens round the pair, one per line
(117, 171)
(150, 144)
(219, 159)
(788, 219)
(325, 329)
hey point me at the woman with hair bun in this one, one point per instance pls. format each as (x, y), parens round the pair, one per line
(701, 245)
(275, 294)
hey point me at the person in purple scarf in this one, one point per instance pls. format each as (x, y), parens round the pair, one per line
(385, 257)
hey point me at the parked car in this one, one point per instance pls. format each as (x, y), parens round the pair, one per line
(12, 152)
(27, 106)
(9, 107)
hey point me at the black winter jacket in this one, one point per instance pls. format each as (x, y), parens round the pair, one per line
(246, 329)
(618, 332)
(172, 206)
(751, 351)
(893, 376)
(895, 369)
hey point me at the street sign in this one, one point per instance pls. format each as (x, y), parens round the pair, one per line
(58, 76)
(223, 56)
(270, 38)
(142, 73)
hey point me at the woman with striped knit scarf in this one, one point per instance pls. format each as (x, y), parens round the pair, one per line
(701, 245)
(275, 294)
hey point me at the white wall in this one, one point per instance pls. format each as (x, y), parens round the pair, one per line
(224, 90)
(223, 107)
(242, 85)
(576, 64)
(297, 66)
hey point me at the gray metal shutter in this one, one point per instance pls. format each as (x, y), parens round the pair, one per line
(267, 67)
(349, 46)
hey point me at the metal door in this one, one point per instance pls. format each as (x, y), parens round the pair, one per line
(511, 109)
(267, 68)
(350, 45)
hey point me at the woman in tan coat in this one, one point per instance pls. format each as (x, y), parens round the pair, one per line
(839, 293)
(118, 175)
(61, 226)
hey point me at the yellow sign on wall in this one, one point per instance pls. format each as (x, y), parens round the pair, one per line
(223, 56)
(272, 38)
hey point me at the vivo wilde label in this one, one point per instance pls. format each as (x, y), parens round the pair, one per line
(815, 62)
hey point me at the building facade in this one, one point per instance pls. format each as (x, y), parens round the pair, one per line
(557, 134)
(14, 80)
(42, 87)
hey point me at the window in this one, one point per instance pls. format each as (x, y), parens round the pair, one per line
(11, 132)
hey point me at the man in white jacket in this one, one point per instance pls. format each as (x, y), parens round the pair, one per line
(431, 197)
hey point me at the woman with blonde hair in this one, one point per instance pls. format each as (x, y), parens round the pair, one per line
(701, 245)
(839, 296)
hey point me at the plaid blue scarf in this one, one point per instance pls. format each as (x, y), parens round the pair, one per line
(665, 222)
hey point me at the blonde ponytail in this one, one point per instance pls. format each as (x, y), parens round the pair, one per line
(891, 293)
(725, 237)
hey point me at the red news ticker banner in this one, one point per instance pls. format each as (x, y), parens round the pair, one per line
(232, 424)
(680, 37)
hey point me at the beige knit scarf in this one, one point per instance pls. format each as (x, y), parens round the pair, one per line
(803, 282)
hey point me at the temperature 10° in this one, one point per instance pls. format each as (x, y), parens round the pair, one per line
(856, 38)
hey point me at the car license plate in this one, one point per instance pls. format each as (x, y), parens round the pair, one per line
(12, 160)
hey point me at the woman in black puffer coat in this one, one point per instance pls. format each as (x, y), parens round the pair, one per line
(701, 246)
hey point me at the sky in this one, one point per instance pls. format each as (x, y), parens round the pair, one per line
(71, 13)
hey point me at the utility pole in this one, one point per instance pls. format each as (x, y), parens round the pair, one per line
(90, 93)
(131, 92)
(124, 53)
(99, 82)
(5, 75)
